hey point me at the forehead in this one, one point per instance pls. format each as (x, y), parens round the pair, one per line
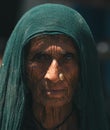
(59, 42)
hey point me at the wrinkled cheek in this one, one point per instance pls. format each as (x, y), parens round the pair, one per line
(72, 81)
(69, 94)
(34, 83)
(33, 78)
(36, 71)
(37, 94)
(39, 97)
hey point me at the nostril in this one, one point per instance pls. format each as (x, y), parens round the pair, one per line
(52, 76)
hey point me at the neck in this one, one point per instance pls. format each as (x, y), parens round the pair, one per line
(56, 118)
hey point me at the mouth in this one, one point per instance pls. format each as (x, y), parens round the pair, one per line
(55, 93)
(54, 90)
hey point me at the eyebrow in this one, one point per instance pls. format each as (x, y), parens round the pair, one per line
(60, 53)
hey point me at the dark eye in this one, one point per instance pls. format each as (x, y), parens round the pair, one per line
(68, 56)
(39, 57)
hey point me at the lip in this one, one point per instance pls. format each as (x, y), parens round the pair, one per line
(55, 93)
(54, 90)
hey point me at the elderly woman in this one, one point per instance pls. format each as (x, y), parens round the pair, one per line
(50, 77)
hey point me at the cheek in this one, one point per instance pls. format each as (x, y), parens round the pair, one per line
(71, 73)
(72, 79)
(35, 72)
(73, 88)
(34, 75)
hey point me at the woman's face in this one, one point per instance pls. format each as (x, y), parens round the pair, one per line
(52, 70)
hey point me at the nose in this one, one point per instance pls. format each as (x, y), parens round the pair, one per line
(52, 72)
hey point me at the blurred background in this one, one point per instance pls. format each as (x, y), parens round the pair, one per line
(96, 13)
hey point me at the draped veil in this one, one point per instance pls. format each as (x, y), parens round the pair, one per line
(51, 19)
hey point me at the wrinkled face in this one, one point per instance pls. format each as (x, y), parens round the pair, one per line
(52, 69)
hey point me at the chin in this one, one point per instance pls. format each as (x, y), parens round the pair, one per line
(55, 102)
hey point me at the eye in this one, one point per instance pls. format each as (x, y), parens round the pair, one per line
(40, 57)
(68, 56)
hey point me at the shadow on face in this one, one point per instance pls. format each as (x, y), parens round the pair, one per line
(47, 57)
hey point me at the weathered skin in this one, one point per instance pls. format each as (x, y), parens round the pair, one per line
(47, 57)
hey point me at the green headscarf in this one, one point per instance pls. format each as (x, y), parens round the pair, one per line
(51, 19)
